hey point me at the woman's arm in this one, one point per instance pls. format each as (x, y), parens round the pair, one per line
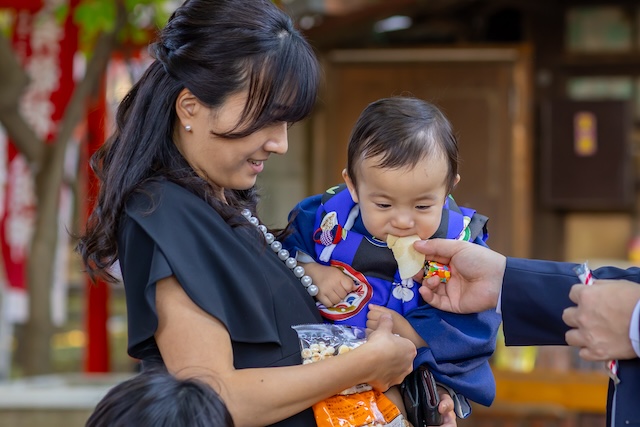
(193, 342)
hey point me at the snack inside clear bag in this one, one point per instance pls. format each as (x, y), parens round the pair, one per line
(357, 406)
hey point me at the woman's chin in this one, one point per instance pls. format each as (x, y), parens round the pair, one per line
(247, 185)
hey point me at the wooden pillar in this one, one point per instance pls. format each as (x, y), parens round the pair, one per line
(97, 357)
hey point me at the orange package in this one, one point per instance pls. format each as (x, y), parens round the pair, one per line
(358, 406)
(368, 408)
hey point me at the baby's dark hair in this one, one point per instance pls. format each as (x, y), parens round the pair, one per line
(158, 399)
(403, 130)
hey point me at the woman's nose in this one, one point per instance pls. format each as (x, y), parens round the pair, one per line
(277, 141)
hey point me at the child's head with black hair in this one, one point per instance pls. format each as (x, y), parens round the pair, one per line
(158, 399)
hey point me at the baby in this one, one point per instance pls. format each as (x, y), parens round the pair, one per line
(402, 165)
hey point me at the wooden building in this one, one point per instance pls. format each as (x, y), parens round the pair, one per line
(545, 100)
(513, 76)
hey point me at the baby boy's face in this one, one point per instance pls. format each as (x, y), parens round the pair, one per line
(401, 202)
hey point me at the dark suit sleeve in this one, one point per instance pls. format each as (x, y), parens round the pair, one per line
(534, 294)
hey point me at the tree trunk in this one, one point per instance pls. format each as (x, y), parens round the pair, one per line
(39, 329)
(47, 160)
(40, 267)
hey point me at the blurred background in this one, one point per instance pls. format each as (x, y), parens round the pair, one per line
(544, 97)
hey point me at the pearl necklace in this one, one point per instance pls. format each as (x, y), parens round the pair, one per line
(283, 254)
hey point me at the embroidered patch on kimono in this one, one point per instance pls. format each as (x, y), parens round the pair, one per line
(329, 232)
(465, 234)
(403, 290)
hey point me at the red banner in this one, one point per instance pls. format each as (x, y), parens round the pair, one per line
(30, 5)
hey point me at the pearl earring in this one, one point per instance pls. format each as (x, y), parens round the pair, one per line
(187, 128)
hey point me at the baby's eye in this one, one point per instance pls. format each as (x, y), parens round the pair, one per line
(422, 207)
(383, 205)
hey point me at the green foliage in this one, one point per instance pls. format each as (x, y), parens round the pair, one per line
(60, 13)
(94, 17)
(144, 17)
(6, 20)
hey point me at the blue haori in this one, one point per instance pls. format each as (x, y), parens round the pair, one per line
(341, 241)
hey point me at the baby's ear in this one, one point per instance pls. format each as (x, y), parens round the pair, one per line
(456, 181)
(350, 186)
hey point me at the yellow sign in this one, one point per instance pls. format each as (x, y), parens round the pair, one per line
(585, 135)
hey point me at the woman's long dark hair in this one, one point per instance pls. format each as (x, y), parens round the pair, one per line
(214, 49)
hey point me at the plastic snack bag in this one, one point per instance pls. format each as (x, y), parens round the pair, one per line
(585, 276)
(433, 268)
(357, 406)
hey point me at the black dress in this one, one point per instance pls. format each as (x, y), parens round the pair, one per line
(227, 271)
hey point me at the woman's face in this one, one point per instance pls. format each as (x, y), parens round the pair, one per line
(228, 163)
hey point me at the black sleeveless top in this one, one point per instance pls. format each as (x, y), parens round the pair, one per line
(228, 272)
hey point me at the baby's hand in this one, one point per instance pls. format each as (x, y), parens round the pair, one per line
(373, 318)
(400, 325)
(333, 285)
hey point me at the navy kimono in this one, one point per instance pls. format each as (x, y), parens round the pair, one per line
(459, 346)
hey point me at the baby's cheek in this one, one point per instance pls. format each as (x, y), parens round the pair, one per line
(428, 226)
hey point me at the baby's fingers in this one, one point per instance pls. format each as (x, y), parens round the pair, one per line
(372, 321)
(348, 285)
(373, 316)
(324, 300)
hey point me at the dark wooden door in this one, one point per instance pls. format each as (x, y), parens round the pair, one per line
(480, 90)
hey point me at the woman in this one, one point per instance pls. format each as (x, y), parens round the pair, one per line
(206, 295)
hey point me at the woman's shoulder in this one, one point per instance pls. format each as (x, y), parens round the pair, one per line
(159, 204)
(153, 191)
(163, 196)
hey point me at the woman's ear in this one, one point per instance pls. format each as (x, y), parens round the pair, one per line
(350, 186)
(186, 107)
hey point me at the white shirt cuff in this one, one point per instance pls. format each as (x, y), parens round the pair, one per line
(634, 329)
(305, 258)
